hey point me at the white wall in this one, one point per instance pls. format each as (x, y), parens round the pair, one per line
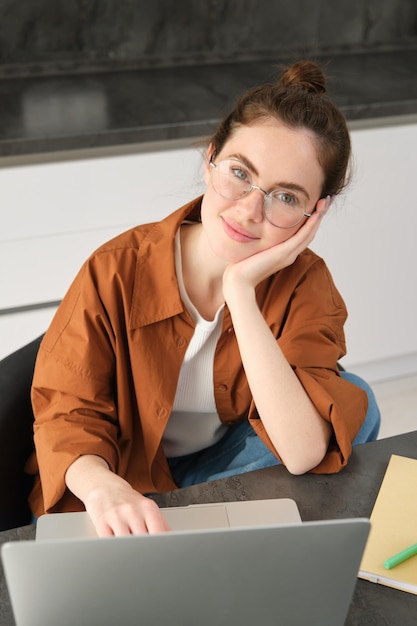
(55, 214)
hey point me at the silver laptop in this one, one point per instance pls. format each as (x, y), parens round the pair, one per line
(292, 574)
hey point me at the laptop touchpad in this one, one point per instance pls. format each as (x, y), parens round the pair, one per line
(198, 517)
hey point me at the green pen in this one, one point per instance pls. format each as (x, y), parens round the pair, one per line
(402, 556)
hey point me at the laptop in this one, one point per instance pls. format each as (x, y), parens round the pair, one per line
(287, 573)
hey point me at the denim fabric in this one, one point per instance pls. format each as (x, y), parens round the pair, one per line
(370, 428)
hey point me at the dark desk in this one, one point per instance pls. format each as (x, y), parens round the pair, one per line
(351, 493)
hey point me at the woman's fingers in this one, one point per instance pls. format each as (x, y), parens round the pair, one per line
(136, 515)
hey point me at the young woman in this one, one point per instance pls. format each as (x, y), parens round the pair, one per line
(207, 344)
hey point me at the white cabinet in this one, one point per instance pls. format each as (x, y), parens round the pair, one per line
(369, 242)
(55, 214)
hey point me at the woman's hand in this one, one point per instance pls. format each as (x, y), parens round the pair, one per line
(114, 506)
(256, 268)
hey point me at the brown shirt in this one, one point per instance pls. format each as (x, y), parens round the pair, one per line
(107, 370)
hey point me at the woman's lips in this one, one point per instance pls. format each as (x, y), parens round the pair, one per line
(237, 232)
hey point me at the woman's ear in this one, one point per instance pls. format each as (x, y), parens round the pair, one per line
(211, 151)
(209, 155)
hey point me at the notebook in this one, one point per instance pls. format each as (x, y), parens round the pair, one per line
(292, 574)
(192, 517)
(393, 527)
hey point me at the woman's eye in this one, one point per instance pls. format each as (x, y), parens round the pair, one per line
(240, 173)
(286, 198)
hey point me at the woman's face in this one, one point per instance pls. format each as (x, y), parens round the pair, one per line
(275, 156)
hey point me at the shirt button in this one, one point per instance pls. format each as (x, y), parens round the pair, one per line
(180, 342)
(230, 330)
(222, 387)
(161, 412)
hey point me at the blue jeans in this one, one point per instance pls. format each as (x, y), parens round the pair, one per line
(241, 450)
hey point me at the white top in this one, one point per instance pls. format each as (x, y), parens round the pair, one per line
(194, 423)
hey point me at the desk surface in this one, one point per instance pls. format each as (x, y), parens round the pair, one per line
(351, 493)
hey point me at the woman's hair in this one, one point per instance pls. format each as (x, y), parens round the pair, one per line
(298, 100)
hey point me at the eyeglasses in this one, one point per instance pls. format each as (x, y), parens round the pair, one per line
(283, 208)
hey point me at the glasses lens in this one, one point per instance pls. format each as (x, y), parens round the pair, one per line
(284, 208)
(230, 179)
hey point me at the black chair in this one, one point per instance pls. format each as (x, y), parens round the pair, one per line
(16, 435)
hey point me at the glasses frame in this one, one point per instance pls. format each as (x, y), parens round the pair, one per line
(267, 194)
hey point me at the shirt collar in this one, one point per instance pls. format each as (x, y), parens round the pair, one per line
(156, 294)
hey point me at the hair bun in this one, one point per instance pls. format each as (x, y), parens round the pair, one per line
(305, 75)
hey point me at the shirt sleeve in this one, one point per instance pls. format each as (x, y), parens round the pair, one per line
(72, 397)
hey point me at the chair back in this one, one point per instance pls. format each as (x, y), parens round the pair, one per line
(16, 434)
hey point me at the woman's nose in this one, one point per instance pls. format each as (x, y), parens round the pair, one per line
(253, 204)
